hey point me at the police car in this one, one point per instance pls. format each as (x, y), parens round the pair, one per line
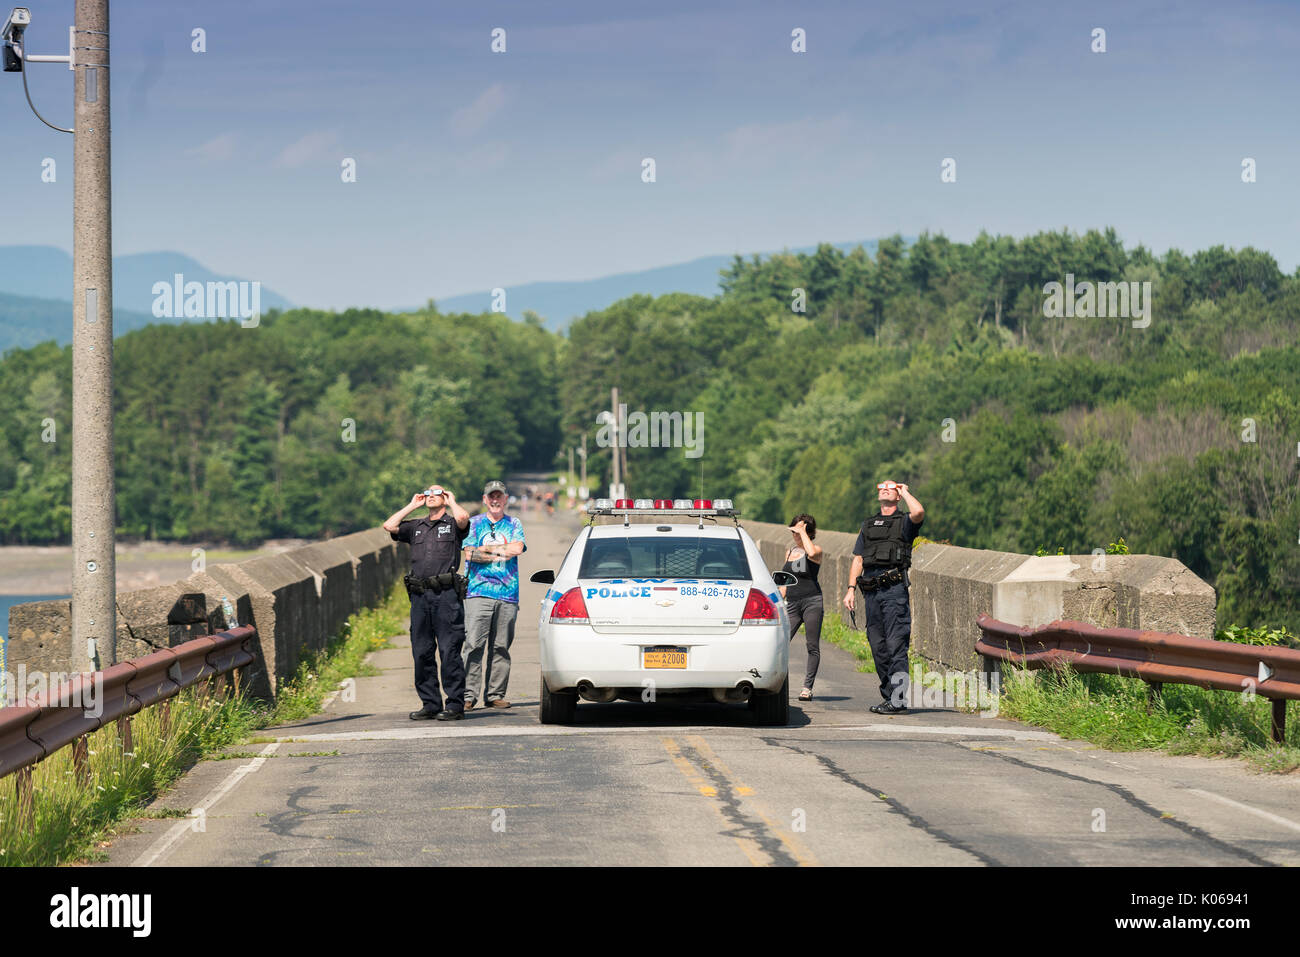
(676, 604)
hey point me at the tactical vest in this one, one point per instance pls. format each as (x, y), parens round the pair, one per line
(883, 541)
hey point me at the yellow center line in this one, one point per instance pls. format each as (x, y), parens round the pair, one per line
(694, 777)
(798, 851)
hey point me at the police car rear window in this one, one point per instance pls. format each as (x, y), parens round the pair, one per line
(641, 557)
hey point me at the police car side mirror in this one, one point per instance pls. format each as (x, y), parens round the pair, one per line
(784, 578)
(545, 577)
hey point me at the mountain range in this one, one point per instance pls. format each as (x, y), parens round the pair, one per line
(559, 303)
(35, 282)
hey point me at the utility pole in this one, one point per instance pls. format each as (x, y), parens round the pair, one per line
(615, 488)
(94, 592)
(583, 453)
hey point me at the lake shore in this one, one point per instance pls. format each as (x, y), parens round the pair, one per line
(47, 569)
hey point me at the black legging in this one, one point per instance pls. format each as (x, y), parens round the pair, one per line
(808, 612)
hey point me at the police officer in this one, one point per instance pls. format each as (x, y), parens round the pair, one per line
(437, 595)
(881, 557)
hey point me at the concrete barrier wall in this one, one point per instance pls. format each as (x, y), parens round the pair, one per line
(953, 586)
(298, 600)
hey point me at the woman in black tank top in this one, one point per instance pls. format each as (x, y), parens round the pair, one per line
(804, 598)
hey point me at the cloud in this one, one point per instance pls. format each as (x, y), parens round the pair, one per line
(797, 137)
(306, 149)
(216, 150)
(468, 120)
(781, 144)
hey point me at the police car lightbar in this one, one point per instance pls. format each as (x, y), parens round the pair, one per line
(661, 506)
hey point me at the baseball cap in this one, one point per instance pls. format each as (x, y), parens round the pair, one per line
(494, 486)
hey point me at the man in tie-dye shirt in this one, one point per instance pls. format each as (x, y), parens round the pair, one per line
(491, 551)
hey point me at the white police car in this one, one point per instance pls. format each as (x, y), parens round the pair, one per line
(679, 606)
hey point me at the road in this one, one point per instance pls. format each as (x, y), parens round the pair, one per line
(360, 784)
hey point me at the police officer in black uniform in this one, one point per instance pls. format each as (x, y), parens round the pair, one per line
(437, 599)
(881, 557)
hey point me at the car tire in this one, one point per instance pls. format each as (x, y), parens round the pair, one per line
(772, 710)
(557, 707)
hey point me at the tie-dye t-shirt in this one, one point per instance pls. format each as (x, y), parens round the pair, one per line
(496, 579)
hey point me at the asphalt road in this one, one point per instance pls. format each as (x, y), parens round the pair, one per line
(361, 784)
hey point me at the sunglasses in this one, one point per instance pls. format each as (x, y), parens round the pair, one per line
(886, 486)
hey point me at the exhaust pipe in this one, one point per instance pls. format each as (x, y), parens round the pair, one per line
(591, 693)
(739, 693)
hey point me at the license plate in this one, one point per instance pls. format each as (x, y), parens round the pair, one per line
(663, 656)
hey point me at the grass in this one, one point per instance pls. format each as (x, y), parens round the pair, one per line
(1112, 712)
(70, 820)
(854, 642)
(321, 674)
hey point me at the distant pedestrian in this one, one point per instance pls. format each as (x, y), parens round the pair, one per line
(492, 550)
(436, 592)
(803, 599)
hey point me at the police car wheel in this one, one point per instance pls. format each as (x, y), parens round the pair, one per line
(772, 710)
(557, 707)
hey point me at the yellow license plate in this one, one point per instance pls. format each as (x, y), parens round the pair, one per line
(663, 657)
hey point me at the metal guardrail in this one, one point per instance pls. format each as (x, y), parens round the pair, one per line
(33, 731)
(1154, 656)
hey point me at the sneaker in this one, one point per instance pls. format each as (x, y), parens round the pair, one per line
(449, 715)
(469, 704)
(806, 694)
(424, 714)
(887, 708)
(499, 703)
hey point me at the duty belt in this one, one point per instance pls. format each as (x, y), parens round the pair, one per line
(894, 576)
(436, 584)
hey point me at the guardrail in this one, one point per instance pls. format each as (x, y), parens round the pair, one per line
(33, 731)
(1154, 656)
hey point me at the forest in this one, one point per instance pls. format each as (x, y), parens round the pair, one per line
(310, 424)
(814, 375)
(933, 364)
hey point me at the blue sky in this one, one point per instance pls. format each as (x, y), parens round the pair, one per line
(477, 169)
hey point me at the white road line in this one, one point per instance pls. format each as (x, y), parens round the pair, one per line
(411, 734)
(962, 730)
(533, 730)
(179, 829)
(1266, 815)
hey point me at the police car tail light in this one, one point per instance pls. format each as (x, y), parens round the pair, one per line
(759, 609)
(570, 609)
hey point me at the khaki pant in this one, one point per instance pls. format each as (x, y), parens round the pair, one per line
(489, 632)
